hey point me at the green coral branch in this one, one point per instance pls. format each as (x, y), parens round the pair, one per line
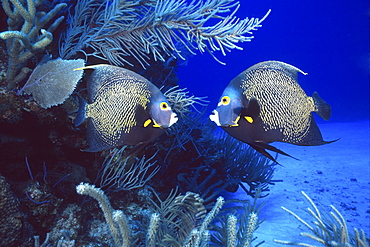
(30, 38)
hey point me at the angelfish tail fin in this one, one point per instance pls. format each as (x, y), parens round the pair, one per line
(321, 107)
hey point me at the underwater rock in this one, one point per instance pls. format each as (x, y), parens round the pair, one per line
(67, 225)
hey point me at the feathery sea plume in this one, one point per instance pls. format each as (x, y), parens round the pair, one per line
(118, 31)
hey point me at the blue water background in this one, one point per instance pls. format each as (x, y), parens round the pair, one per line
(329, 40)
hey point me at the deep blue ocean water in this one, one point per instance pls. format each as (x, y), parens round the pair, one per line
(329, 40)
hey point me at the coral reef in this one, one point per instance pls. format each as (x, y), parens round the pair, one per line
(14, 229)
(156, 35)
(23, 38)
(68, 225)
(237, 222)
(179, 220)
(246, 166)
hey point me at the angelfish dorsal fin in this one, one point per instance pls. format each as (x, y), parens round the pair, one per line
(99, 77)
(287, 69)
(291, 70)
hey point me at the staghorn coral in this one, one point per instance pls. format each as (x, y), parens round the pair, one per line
(23, 39)
(330, 229)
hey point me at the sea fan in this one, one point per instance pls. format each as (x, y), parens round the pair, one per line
(51, 83)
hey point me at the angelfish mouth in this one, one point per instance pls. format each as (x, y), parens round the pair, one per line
(173, 119)
(215, 118)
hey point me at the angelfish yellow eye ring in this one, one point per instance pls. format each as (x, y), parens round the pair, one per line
(225, 100)
(164, 106)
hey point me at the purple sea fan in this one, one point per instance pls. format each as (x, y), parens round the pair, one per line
(51, 83)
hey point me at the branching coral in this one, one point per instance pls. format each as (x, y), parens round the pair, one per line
(118, 30)
(116, 220)
(234, 233)
(185, 106)
(330, 229)
(236, 224)
(23, 38)
(213, 163)
(178, 221)
(177, 216)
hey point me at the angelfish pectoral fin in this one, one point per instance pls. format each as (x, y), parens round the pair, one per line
(147, 122)
(249, 119)
(81, 113)
(261, 147)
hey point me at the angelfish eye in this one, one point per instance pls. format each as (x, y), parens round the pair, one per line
(225, 100)
(164, 106)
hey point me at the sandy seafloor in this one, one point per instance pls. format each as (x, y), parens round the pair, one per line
(336, 174)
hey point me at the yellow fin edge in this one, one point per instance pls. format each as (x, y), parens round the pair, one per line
(92, 66)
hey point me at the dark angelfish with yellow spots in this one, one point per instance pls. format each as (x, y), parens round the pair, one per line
(265, 104)
(124, 109)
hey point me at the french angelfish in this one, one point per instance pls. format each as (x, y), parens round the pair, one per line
(265, 104)
(123, 108)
